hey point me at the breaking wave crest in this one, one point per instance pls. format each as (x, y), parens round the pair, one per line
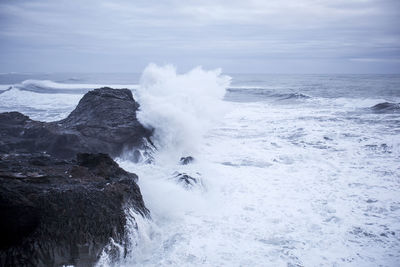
(180, 107)
(260, 94)
(51, 87)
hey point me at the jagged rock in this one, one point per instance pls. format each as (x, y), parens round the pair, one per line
(187, 181)
(56, 210)
(62, 212)
(386, 107)
(103, 122)
(186, 160)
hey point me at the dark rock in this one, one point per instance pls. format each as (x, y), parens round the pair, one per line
(186, 180)
(55, 209)
(386, 107)
(186, 160)
(103, 122)
(62, 212)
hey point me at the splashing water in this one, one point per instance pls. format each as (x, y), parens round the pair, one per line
(299, 171)
(181, 107)
(307, 181)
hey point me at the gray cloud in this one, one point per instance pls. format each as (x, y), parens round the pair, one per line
(239, 36)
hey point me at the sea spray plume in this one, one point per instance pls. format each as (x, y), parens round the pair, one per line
(180, 107)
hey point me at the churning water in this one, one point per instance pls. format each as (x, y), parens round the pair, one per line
(293, 170)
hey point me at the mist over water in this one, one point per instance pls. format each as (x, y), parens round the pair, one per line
(296, 170)
(180, 107)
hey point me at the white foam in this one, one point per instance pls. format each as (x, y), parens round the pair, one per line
(181, 107)
(71, 86)
(4, 87)
(45, 107)
(279, 193)
(286, 184)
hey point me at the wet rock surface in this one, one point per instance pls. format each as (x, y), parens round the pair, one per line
(386, 107)
(186, 160)
(62, 197)
(60, 212)
(186, 180)
(104, 121)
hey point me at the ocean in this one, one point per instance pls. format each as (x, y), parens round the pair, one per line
(293, 170)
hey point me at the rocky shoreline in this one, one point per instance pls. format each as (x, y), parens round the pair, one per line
(62, 197)
(104, 121)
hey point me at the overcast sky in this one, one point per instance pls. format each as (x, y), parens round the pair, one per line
(263, 36)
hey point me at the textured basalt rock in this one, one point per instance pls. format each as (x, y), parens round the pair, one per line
(63, 212)
(186, 160)
(103, 122)
(187, 181)
(386, 107)
(62, 199)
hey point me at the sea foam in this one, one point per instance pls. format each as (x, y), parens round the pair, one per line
(180, 107)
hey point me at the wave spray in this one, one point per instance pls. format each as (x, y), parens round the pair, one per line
(180, 107)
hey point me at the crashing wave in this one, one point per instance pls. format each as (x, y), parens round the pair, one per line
(180, 107)
(260, 94)
(136, 232)
(51, 87)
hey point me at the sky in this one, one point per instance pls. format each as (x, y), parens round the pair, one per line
(254, 36)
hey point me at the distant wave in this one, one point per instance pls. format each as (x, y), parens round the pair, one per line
(51, 87)
(260, 94)
(5, 87)
(386, 107)
(74, 79)
(250, 91)
(292, 96)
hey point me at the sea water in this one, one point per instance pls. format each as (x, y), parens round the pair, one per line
(293, 170)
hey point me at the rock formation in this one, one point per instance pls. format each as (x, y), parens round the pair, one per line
(62, 197)
(186, 160)
(386, 107)
(63, 212)
(103, 122)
